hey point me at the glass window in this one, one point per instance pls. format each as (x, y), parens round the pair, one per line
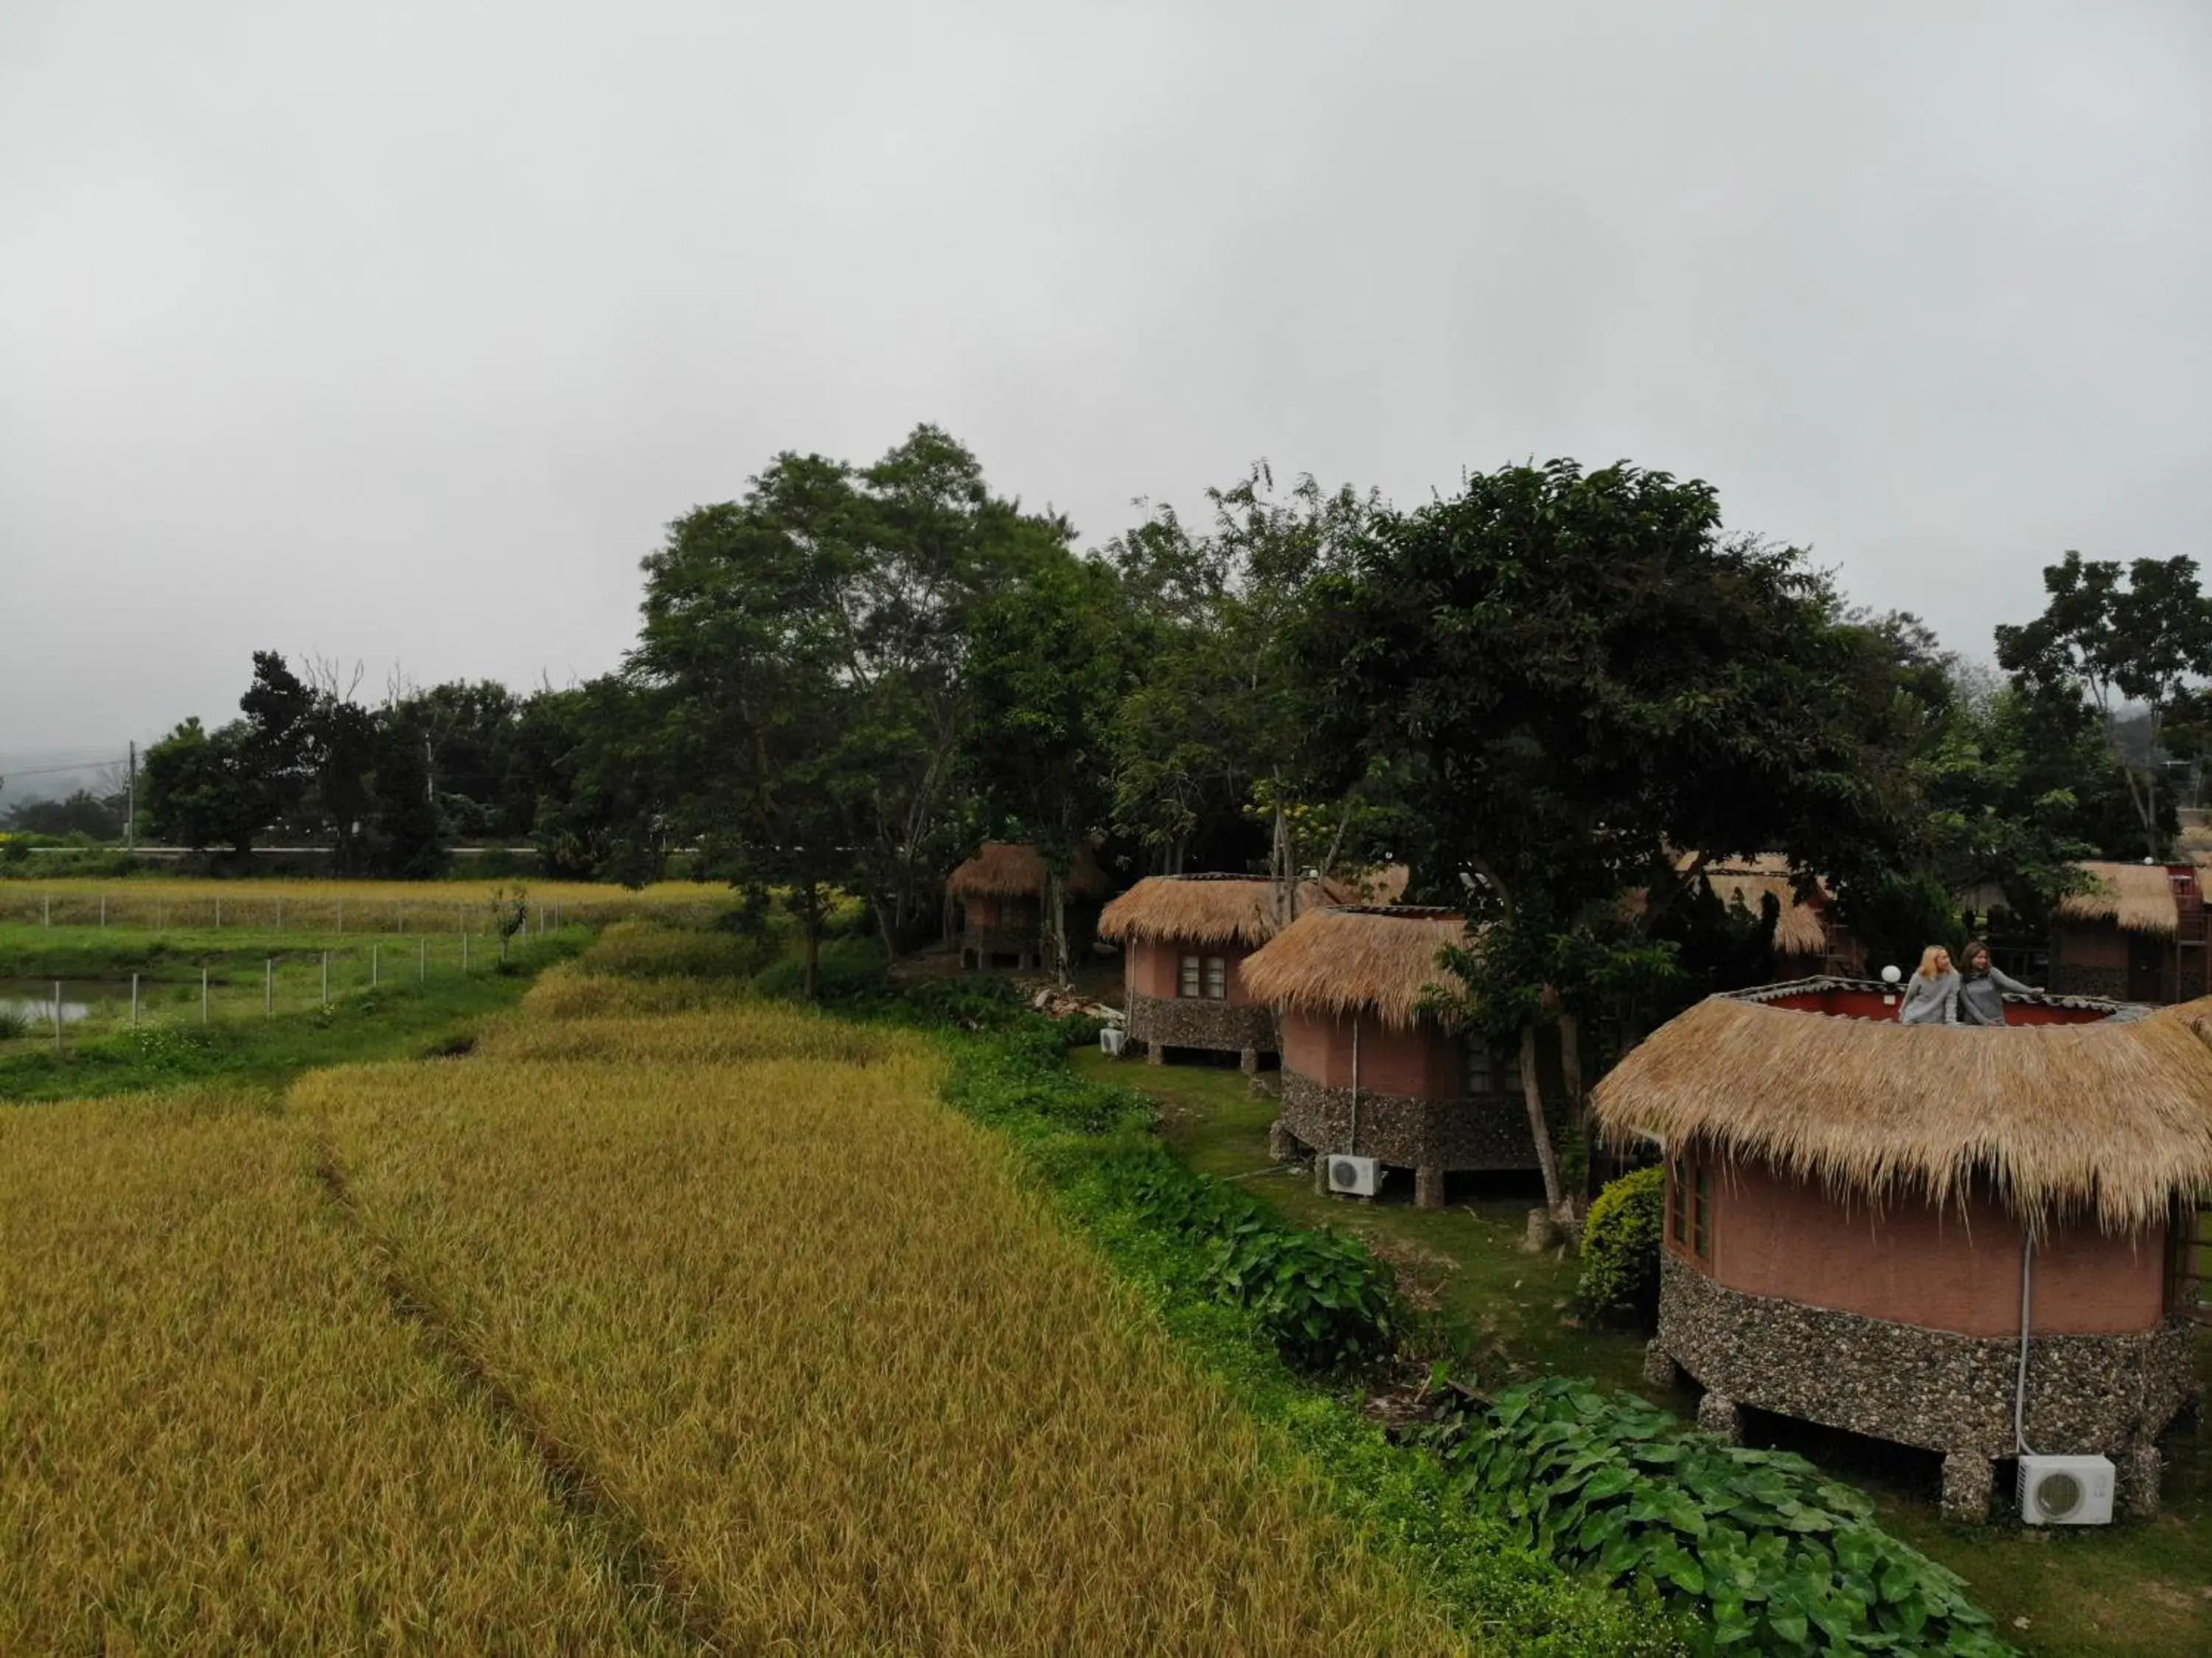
(1187, 984)
(1701, 1213)
(1678, 1208)
(1477, 1078)
(1216, 977)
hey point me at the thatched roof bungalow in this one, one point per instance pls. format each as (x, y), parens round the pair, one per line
(2138, 932)
(1858, 1210)
(1184, 941)
(1368, 1068)
(1002, 891)
(1808, 937)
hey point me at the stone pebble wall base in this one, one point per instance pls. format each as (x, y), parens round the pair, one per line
(1197, 1022)
(2074, 979)
(1429, 1137)
(2111, 1395)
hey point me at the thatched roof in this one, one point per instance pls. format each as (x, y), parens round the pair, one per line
(2104, 1119)
(1013, 869)
(1207, 909)
(1374, 960)
(1800, 930)
(2139, 897)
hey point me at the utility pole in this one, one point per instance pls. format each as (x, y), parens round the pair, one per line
(130, 802)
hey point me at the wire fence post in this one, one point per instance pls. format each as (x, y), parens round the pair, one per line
(327, 978)
(465, 950)
(269, 989)
(342, 915)
(45, 909)
(103, 909)
(421, 960)
(375, 952)
(218, 912)
(134, 1002)
(280, 912)
(204, 996)
(57, 1016)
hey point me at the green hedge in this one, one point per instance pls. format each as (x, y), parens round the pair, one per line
(1770, 1556)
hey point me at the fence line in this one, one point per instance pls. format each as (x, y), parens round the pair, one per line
(156, 912)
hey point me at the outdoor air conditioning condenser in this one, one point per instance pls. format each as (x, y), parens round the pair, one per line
(1353, 1177)
(2066, 1490)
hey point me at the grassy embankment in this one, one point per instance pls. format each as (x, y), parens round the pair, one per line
(652, 1325)
(400, 978)
(2144, 1591)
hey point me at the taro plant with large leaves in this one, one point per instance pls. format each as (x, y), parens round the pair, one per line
(1766, 1553)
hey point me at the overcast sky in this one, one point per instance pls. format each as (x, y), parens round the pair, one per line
(397, 332)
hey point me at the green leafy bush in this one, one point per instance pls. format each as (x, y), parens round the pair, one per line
(1325, 1303)
(1770, 1556)
(851, 972)
(1620, 1247)
(13, 1024)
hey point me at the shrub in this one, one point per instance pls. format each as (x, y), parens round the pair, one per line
(1620, 1247)
(1325, 1303)
(13, 1024)
(852, 971)
(1770, 1557)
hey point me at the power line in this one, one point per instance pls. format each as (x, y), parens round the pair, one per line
(51, 770)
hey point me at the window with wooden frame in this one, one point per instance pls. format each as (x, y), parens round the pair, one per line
(1690, 1208)
(2189, 1265)
(1475, 1070)
(1204, 977)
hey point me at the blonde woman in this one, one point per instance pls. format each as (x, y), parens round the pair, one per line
(1932, 998)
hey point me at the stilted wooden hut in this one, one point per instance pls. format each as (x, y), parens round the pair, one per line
(1366, 1069)
(1915, 1232)
(2138, 934)
(1184, 941)
(1001, 892)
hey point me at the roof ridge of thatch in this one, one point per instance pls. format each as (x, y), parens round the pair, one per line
(2106, 1120)
(1357, 957)
(1206, 907)
(2138, 897)
(1012, 868)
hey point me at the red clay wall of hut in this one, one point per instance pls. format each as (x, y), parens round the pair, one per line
(1421, 1063)
(1154, 966)
(1913, 1264)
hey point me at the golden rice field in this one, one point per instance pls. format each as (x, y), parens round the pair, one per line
(271, 906)
(215, 1436)
(649, 1327)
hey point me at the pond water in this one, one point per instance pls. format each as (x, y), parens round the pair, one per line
(34, 998)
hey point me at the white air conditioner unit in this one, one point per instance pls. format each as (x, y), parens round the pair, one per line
(1111, 1039)
(2066, 1490)
(1355, 1177)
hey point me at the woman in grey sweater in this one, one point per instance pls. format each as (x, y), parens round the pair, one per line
(1982, 987)
(1932, 997)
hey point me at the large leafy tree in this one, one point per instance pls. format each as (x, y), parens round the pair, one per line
(1212, 741)
(2113, 636)
(743, 658)
(1578, 676)
(1048, 662)
(200, 793)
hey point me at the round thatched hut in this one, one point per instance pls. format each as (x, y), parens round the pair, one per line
(1184, 941)
(1914, 1232)
(2139, 932)
(1002, 892)
(1367, 1070)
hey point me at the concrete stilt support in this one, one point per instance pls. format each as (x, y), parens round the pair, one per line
(1969, 1478)
(1320, 1174)
(1282, 1144)
(1660, 1370)
(1248, 1062)
(1155, 1053)
(2140, 1468)
(1718, 1414)
(1429, 1186)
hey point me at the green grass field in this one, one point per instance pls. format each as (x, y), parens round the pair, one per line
(2139, 1591)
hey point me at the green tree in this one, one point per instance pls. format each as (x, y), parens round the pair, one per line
(2111, 637)
(743, 657)
(200, 791)
(1048, 665)
(1577, 674)
(1214, 736)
